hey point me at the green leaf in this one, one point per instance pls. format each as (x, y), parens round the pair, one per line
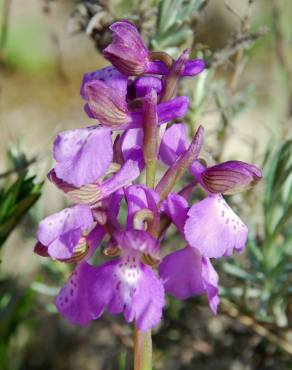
(167, 14)
(255, 251)
(15, 305)
(123, 360)
(238, 272)
(173, 13)
(278, 168)
(15, 200)
(191, 7)
(172, 38)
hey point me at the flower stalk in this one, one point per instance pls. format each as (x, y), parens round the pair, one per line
(142, 349)
(143, 340)
(150, 136)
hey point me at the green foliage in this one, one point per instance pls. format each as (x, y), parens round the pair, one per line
(172, 29)
(16, 198)
(15, 306)
(265, 290)
(18, 193)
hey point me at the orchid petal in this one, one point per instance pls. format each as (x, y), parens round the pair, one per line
(214, 229)
(82, 155)
(173, 143)
(186, 273)
(61, 232)
(73, 302)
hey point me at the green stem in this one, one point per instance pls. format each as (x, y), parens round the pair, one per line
(150, 173)
(142, 350)
(150, 142)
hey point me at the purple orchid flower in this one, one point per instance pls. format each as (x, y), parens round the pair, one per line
(110, 76)
(68, 235)
(144, 84)
(212, 226)
(228, 177)
(131, 144)
(111, 110)
(129, 54)
(186, 272)
(105, 92)
(125, 285)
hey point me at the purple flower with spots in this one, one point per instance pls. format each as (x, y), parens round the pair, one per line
(69, 234)
(214, 229)
(125, 285)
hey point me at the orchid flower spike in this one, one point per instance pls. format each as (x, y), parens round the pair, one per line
(101, 169)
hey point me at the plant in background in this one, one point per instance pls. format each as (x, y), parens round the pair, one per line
(134, 107)
(18, 193)
(263, 293)
(164, 24)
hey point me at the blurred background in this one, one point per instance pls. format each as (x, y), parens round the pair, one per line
(244, 100)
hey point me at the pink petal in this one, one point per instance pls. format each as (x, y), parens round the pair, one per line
(176, 208)
(61, 231)
(186, 273)
(126, 286)
(214, 229)
(173, 144)
(82, 155)
(73, 302)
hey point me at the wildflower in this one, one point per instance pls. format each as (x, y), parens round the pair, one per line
(70, 233)
(145, 83)
(129, 54)
(139, 198)
(212, 226)
(124, 285)
(102, 188)
(96, 168)
(111, 110)
(105, 92)
(186, 272)
(228, 177)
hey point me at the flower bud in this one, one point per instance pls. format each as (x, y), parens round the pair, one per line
(174, 173)
(104, 104)
(173, 77)
(127, 51)
(230, 177)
